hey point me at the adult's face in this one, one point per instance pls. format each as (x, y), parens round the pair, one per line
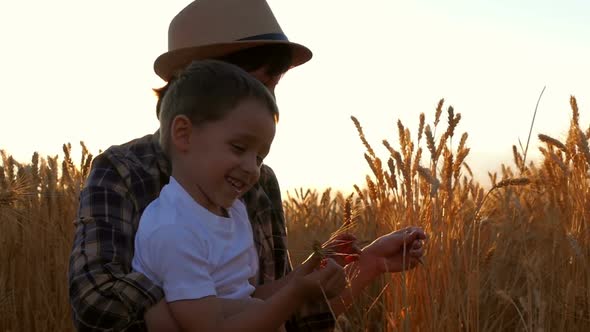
(269, 80)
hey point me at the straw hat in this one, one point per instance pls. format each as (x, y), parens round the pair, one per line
(214, 28)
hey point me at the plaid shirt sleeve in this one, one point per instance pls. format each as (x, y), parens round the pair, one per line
(104, 293)
(314, 316)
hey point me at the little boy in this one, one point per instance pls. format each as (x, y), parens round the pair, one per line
(195, 241)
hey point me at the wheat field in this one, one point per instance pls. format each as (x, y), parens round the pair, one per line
(513, 256)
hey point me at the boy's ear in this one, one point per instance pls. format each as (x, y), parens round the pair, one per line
(180, 133)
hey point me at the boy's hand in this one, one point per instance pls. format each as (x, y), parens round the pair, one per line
(329, 280)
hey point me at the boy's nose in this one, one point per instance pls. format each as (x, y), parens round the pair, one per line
(250, 166)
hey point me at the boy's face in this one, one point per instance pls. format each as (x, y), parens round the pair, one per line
(222, 159)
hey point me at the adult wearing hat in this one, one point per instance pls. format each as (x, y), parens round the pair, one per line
(104, 293)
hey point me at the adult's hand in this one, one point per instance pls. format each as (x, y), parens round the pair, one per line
(393, 252)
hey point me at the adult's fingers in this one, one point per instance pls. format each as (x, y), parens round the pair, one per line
(417, 244)
(414, 234)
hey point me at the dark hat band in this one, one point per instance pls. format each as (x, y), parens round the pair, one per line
(267, 36)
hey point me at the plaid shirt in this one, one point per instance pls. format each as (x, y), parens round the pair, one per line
(104, 293)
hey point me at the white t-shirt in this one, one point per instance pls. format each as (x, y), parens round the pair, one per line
(192, 253)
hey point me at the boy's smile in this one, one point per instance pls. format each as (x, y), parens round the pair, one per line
(237, 184)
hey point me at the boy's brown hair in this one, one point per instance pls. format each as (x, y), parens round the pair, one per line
(206, 91)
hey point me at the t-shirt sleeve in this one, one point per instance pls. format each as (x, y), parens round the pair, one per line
(179, 260)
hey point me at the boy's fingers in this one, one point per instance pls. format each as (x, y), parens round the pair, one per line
(335, 280)
(330, 269)
(311, 263)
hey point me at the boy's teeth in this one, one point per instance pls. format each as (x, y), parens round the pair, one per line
(237, 184)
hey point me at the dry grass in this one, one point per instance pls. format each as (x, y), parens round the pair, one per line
(38, 202)
(510, 258)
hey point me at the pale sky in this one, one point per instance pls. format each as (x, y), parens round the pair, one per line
(82, 70)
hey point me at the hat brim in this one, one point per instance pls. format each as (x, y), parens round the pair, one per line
(167, 63)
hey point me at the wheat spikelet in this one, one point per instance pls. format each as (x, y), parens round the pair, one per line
(559, 162)
(450, 115)
(9, 166)
(430, 143)
(575, 111)
(348, 211)
(359, 192)
(403, 142)
(518, 161)
(326, 197)
(550, 141)
(489, 254)
(85, 161)
(67, 166)
(409, 147)
(396, 155)
(35, 169)
(453, 121)
(420, 128)
(416, 162)
(372, 189)
(392, 174)
(572, 140)
(461, 155)
(371, 164)
(389, 147)
(462, 142)
(447, 171)
(438, 111)
(362, 137)
(512, 182)
(441, 144)
(382, 178)
(583, 145)
(427, 175)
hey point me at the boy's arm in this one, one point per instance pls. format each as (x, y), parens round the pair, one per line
(212, 314)
(206, 315)
(104, 294)
(159, 318)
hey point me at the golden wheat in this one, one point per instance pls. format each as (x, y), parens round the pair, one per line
(514, 257)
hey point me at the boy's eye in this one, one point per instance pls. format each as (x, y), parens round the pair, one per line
(238, 148)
